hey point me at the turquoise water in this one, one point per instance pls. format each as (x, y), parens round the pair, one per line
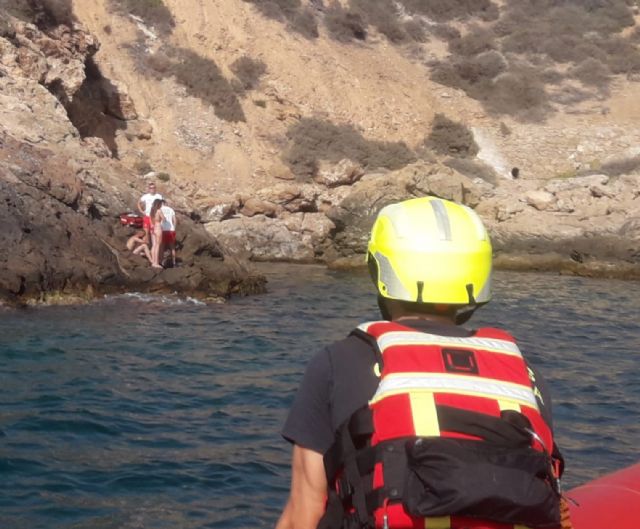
(142, 412)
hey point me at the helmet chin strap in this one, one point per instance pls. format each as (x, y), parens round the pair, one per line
(384, 310)
(464, 314)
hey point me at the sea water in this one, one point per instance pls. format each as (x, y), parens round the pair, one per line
(151, 412)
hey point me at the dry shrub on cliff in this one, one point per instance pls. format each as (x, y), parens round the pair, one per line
(473, 168)
(450, 138)
(416, 30)
(312, 140)
(276, 9)
(519, 93)
(7, 30)
(298, 18)
(304, 23)
(478, 40)
(623, 55)
(474, 75)
(584, 38)
(153, 12)
(621, 167)
(199, 75)
(43, 13)
(571, 31)
(248, 71)
(344, 25)
(449, 10)
(445, 32)
(383, 15)
(591, 72)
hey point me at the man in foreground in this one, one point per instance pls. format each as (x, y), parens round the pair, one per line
(413, 420)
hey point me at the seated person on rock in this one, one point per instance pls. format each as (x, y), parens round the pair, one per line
(137, 244)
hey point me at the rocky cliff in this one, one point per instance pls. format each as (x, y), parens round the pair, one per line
(280, 128)
(61, 195)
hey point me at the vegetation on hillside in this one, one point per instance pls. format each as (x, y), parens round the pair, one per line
(153, 12)
(42, 13)
(248, 71)
(450, 138)
(518, 57)
(298, 18)
(200, 76)
(312, 141)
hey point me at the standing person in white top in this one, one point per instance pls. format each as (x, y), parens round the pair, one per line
(169, 230)
(144, 206)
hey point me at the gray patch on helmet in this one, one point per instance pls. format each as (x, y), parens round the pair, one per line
(388, 277)
(480, 229)
(442, 219)
(485, 294)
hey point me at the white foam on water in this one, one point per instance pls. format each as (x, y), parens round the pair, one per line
(165, 299)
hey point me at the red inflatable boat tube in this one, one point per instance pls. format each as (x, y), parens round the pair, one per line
(609, 502)
(131, 219)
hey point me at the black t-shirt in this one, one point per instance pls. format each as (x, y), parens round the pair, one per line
(340, 379)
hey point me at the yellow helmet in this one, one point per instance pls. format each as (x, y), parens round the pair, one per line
(430, 250)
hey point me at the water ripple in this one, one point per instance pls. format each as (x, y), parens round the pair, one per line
(151, 412)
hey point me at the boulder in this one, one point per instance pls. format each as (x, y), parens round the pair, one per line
(577, 182)
(541, 200)
(262, 238)
(218, 208)
(117, 100)
(291, 197)
(345, 172)
(254, 206)
(444, 182)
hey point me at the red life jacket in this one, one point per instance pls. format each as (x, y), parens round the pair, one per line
(453, 438)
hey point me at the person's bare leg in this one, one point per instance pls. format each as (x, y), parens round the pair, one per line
(154, 256)
(147, 253)
(160, 252)
(156, 251)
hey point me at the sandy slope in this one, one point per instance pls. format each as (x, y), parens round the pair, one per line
(382, 90)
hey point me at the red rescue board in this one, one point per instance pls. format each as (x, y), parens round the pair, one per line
(131, 219)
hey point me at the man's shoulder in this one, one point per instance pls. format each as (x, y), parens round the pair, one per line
(352, 345)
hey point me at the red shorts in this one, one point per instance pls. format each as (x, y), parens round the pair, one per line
(146, 223)
(168, 237)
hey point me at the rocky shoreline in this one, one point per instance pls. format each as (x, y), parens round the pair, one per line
(61, 194)
(583, 225)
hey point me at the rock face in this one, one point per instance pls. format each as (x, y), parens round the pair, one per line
(63, 126)
(584, 225)
(61, 196)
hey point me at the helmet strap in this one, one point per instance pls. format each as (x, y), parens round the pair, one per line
(384, 310)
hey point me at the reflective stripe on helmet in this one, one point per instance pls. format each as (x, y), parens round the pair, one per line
(389, 279)
(395, 384)
(442, 219)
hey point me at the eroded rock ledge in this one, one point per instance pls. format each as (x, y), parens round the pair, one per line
(585, 225)
(61, 195)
